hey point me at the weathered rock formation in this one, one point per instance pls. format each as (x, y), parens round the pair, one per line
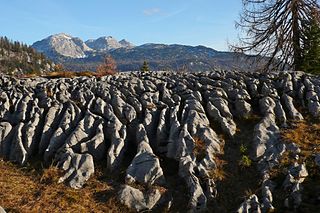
(138, 119)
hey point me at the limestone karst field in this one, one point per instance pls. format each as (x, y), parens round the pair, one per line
(161, 141)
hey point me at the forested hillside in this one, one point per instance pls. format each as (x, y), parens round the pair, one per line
(18, 58)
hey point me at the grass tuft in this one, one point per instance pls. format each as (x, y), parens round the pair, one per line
(199, 149)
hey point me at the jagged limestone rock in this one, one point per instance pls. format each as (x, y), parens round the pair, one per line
(243, 108)
(266, 133)
(69, 120)
(136, 119)
(51, 123)
(145, 166)
(250, 205)
(198, 200)
(226, 123)
(293, 113)
(138, 200)
(5, 138)
(77, 167)
(18, 152)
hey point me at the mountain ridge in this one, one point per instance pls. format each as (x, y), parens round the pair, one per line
(78, 55)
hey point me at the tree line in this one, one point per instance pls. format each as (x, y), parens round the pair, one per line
(19, 58)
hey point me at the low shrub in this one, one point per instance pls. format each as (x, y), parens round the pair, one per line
(245, 161)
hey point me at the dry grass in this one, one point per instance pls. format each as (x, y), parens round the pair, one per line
(199, 149)
(27, 190)
(151, 106)
(28, 75)
(49, 92)
(219, 172)
(66, 74)
(305, 134)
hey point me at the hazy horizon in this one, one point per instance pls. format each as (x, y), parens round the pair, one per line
(201, 22)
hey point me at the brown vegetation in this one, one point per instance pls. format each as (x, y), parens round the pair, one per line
(108, 68)
(29, 190)
(68, 74)
(199, 149)
(305, 134)
(219, 173)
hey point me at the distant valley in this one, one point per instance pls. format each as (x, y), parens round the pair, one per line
(78, 55)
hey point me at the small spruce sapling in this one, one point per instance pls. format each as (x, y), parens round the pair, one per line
(145, 67)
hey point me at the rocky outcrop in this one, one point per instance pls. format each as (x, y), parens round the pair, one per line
(143, 120)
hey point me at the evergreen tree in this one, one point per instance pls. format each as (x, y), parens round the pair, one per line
(311, 50)
(19, 58)
(145, 67)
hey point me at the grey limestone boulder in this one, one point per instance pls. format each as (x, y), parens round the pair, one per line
(293, 113)
(198, 200)
(242, 108)
(116, 150)
(138, 200)
(77, 167)
(51, 123)
(145, 166)
(96, 146)
(267, 105)
(69, 121)
(5, 138)
(226, 123)
(18, 152)
(266, 134)
(250, 205)
(173, 133)
(162, 133)
(185, 144)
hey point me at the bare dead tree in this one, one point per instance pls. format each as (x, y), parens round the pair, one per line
(275, 29)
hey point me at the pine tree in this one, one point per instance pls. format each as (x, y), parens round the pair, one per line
(16, 56)
(311, 50)
(145, 67)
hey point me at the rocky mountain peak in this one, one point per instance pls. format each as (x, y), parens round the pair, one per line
(61, 35)
(65, 45)
(62, 44)
(107, 43)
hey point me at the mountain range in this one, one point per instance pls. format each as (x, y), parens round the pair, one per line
(78, 55)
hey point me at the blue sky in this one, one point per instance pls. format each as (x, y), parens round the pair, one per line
(190, 22)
